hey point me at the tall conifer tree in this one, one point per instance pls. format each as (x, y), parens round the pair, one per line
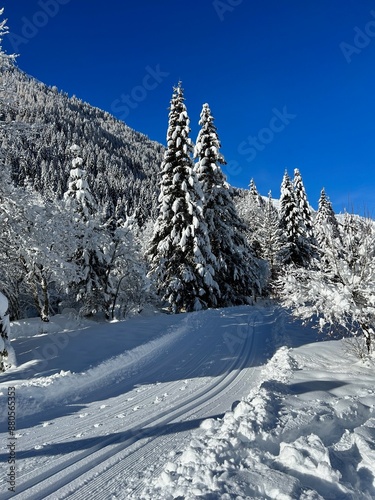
(254, 217)
(295, 220)
(87, 253)
(180, 253)
(271, 237)
(303, 206)
(325, 220)
(4, 57)
(236, 268)
(6, 61)
(290, 223)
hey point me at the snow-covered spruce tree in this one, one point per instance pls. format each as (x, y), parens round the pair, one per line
(340, 289)
(297, 248)
(6, 61)
(87, 245)
(303, 206)
(325, 221)
(289, 218)
(271, 238)
(3, 31)
(236, 269)
(3, 28)
(251, 210)
(254, 196)
(182, 264)
(78, 196)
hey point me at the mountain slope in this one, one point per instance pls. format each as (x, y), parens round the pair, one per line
(38, 124)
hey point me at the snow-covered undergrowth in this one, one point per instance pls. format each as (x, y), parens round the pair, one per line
(307, 431)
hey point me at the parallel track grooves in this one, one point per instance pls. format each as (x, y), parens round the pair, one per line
(71, 477)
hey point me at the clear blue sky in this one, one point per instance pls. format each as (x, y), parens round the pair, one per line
(251, 60)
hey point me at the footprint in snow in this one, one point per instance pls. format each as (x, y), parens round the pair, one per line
(159, 399)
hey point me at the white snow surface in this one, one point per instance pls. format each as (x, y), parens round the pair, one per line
(237, 403)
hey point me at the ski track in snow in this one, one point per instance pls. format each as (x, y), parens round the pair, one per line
(139, 422)
(155, 422)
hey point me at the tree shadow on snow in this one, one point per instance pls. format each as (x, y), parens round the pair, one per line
(314, 386)
(129, 437)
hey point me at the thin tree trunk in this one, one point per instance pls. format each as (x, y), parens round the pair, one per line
(367, 332)
(45, 307)
(116, 296)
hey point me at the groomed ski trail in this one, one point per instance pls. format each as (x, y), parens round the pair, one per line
(208, 364)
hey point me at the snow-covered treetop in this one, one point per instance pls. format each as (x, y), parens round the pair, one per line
(208, 143)
(289, 214)
(207, 152)
(75, 149)
(3, 31)
(286, 189)
(78, 196)
(206, 116)
(255, 199)
(326, 225)
(325, 210)
(3, 28)
(303, 205)
(300, 192)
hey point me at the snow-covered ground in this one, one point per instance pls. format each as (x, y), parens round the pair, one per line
(225, 404)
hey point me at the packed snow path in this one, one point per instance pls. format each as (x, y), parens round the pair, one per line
(102, 432)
